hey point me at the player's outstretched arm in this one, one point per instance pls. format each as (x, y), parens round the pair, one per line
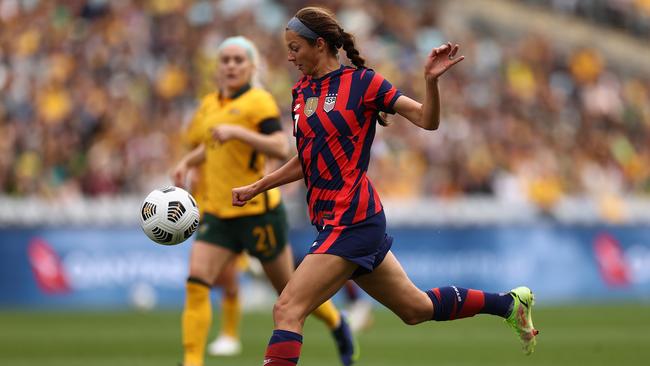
(427, 115)
(291, 171)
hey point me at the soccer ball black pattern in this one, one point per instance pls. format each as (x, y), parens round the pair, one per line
(169, 215)
(175, 211)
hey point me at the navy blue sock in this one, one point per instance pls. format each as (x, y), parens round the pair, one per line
(453, 302)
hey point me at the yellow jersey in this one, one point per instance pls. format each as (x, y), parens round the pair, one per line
(233, 163)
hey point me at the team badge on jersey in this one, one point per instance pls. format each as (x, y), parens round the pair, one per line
(310, 106)
(330, 101)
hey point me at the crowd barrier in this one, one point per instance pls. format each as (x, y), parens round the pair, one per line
(52, 268)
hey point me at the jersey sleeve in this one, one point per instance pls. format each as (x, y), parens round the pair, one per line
(269, 126)
(380, 93)
(266, 114)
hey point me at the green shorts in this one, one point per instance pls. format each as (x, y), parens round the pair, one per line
(263, 236)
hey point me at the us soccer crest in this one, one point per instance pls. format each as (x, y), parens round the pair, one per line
(310, 106)
(330, 101)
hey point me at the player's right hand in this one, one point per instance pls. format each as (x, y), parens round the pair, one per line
(241, 195)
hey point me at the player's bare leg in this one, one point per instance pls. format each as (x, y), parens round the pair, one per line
(317, 278)
(277, 272)
(390, 285)
(279, 269)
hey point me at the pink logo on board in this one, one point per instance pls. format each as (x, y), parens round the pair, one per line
(612, 264)
(47, 267)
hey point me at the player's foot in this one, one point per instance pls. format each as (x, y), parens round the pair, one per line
(360, 315)
(224, 346)
(520, 319)
(346, 343)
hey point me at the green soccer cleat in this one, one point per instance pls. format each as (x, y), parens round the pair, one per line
(520, 318)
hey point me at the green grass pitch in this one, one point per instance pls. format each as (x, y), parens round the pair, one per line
(573, 335)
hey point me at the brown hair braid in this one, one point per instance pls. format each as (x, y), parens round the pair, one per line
(353, 54)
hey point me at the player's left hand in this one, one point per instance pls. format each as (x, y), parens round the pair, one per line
(440, 60)
(179, 174)
(223, 133)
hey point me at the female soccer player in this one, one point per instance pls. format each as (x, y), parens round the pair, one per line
(241, 126)
(335, 108)
(227, 342)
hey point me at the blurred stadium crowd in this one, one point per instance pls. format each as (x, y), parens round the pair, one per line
(631, 16)
(95, 93)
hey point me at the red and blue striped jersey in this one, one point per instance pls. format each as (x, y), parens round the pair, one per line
(334, 124)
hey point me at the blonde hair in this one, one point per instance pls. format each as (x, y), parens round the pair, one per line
(251, 51)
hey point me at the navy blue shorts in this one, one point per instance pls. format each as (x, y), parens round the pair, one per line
(364, 243)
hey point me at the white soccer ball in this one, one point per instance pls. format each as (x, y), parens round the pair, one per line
(169, 215)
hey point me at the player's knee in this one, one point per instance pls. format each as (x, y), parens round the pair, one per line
(413, 314)
(201, 280)
(282, 310)
(285, 312)
(410, 318)
(203, 274)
